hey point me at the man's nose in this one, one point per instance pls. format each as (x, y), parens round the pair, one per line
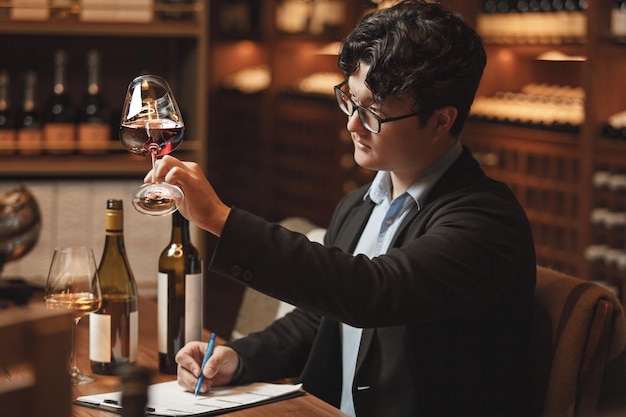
(354, 123)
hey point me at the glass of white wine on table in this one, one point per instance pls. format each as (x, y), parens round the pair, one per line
(152, 125)
(73, 284)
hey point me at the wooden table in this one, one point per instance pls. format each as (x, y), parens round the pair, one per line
(303, 406)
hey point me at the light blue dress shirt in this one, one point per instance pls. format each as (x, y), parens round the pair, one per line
(381, 227)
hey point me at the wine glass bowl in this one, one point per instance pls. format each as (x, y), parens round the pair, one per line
(73, 284)
(152, 124)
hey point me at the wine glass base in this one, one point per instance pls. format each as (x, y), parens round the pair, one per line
(157, 199)
(78, 379)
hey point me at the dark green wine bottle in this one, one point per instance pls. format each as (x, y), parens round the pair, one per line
(180, 283)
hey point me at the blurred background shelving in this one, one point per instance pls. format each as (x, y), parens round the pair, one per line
(174, 48)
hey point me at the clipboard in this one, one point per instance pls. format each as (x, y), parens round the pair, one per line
(168, 399)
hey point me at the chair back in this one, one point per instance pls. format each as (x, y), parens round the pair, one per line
(573, 336)
(35, 344)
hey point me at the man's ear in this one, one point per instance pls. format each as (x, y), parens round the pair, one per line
(444, 118)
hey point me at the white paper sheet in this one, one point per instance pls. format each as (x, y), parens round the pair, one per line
(170, 399)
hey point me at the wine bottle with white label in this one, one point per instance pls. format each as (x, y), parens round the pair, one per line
(180, 306)
(113, 329)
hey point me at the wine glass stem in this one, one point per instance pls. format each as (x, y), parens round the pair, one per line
(73, 366)
(154, 149)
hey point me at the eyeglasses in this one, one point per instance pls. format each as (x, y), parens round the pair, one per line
(370, 120)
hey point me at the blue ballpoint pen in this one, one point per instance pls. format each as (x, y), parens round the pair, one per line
(207, 355)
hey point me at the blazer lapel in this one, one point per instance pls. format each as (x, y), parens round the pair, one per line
(353, 226)
(366, 341)
(464, 169)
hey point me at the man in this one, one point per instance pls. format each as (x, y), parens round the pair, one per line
(419, 303)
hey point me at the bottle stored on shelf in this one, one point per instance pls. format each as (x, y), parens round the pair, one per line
(59, 131)
(175, 9)
(615, 126)
(576, 20)
(559, 33)
(61, 9)
(28, 124)
(180, 294)
(550, 107)
(113, 329)
(7, 120)
(618, 20)
(532, 21)
(94, 118)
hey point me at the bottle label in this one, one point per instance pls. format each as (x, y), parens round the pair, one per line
(94, 137)
(193, 308)
(618, 23)
(29, 141)
(7, 141)
(59, 137)
(100, 337)
(134, 336)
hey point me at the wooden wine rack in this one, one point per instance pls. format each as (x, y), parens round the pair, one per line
(553, 173)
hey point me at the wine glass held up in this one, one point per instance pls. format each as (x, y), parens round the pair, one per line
(73, 284)
(152, 124)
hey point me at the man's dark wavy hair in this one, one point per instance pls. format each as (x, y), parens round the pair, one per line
(421, 50)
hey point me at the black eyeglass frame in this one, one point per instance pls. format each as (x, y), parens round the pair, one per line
(343, 105)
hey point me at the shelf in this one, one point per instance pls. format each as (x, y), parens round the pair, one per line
(179, 29)
(118, 164)
(109, 165)
(531, 51)
(611, 151)
(477, 127)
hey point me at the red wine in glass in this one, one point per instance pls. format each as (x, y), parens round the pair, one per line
(138, 137)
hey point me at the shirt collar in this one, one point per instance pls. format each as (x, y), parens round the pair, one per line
(380, 189)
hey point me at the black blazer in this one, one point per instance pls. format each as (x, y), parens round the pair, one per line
(446, 312)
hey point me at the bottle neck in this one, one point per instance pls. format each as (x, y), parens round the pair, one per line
(93, 73)
(29, 91)
(4, 90)
(180, 228)
(114, 223)
(60, 62)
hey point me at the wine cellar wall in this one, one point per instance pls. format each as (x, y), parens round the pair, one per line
(549, 121)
